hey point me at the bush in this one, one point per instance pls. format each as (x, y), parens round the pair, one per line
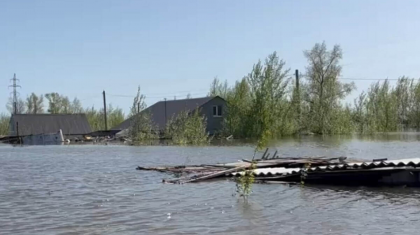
(142, 128)
(187, 128)
(4, 124)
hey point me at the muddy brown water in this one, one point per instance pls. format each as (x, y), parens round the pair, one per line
(95, 189)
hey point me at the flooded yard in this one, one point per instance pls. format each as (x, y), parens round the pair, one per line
(95, 189)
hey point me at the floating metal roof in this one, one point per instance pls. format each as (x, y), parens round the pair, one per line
(413, 162)
(271, 171)
(368, 165)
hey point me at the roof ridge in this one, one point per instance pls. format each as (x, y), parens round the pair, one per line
(205, 97)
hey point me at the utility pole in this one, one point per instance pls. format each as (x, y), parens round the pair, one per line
(298, 96)
(106, 123)
(165, 113)
(15, 93)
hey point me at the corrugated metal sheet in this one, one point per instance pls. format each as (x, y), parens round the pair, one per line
(173, 108)
(414, 162)
(367, 165)
(33, 124)
(272, 171)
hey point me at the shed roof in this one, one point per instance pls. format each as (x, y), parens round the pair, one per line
(70, 124)
(173, 108)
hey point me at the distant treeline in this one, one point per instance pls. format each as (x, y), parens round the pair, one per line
(182, 129)
(269, 102)
(57, 104)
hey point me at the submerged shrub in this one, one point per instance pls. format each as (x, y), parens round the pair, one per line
(142, 128)
(187, 128)
(4, 124)
(245, 181)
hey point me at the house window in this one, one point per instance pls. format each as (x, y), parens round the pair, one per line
(217, 111)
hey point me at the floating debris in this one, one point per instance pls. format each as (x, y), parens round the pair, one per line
(321, 170)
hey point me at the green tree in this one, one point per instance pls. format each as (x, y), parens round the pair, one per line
(54, 102)
(414, 114)
(387, 108)
(65, 105)
(324, 91)
(115, 116)
(20, 106)
(139, 103)
(238, 110)
(218, 88)
(258, 105)
(187, 128)
(342, 120)
(268, 85)
(4, 124)
(76, 106)
(403, 93)
(94, 118)
(381, 108)
(61, 104)
(359, 113)
(141, 127)
(35, 104)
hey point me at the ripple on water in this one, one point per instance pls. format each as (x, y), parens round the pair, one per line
(95, 189)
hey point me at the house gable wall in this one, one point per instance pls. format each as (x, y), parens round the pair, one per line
(214, 124)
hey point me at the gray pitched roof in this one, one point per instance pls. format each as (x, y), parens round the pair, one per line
(173, 108)
(70, 124)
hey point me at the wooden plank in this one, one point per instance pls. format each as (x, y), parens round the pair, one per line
(211, 176)
(214, 175)
(274, 156)
(263, 156)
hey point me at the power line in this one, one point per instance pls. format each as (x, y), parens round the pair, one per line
(182, 94)
(124, 96)
(91, 97)
(179, 94)
(370, 79)
(363, 79)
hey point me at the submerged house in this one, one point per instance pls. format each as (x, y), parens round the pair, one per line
(71, 125)
(213, 108)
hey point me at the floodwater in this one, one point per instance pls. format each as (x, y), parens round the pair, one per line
(95, 189)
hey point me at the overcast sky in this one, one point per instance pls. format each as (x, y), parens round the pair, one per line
(172, 48)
